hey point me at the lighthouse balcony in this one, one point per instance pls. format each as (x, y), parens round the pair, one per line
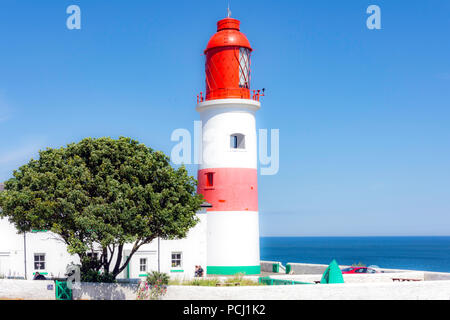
(231, 94)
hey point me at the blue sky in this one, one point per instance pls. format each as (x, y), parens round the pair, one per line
(363, 114)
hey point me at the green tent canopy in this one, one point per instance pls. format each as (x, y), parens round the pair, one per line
(332, 274)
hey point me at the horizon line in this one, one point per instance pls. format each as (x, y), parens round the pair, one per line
(348, 236)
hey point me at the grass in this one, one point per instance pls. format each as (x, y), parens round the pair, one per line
(237, 279)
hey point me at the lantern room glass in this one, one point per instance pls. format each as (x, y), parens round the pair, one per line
(244, 68)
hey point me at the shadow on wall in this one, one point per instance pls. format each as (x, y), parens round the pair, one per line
(105, 291)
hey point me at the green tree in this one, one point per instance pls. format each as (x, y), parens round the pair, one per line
(100, 194)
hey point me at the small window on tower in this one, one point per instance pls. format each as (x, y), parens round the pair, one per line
(210, 179)
(237, 141)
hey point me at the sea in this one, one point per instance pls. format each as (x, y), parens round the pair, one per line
(410, 253)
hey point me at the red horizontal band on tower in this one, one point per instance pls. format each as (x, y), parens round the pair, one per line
(229, 189)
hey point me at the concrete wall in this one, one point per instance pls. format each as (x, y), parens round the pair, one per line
(306, 268)
(424, 290)
(309, 268)
(267, 266)
(105, 291)
(45, 290)
(357, 278)
(431, 276)
(27, 289)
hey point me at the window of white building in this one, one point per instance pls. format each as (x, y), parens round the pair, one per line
(176, 259)
(39, 261)
(143, 265)
(92, 255)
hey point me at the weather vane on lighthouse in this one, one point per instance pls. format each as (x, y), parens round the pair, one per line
(228, 11)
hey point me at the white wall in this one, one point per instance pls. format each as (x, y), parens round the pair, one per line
(27, 289)
(221, 118)
(105, 291)
(193, 249)
(233, 238)
(11, 251)
(424, 290)
(12, 258)
(356, 278)
(12, 264)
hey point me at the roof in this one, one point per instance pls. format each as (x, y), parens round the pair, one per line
(228, 35)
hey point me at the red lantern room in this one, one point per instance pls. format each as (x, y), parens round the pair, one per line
(228, 62)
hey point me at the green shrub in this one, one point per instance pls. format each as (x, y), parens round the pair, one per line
(96, 276)
(359, 264)
(158, 278)
(154, 287)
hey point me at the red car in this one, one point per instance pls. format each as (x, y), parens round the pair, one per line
(358, 270)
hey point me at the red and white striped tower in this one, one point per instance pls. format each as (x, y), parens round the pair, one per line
(227, 175)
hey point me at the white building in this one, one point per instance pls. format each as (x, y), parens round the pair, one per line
(44, 252)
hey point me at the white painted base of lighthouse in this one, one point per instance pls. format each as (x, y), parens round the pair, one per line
(233, 242)
(227, 179)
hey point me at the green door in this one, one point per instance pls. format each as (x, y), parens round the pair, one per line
(63, 292)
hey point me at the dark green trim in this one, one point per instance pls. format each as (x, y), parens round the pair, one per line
(143, 275)
(247, 270)
(288, 268)
(36, 231)
(275, 267)
(279, 282)
(177, 270)
(43, 273)
(128, 267)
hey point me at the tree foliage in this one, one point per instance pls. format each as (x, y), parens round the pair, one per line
(101, 194)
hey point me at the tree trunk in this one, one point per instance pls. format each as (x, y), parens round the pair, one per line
(119, 259)
(136, 247)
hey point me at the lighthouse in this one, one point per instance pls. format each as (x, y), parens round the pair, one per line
(227, 175)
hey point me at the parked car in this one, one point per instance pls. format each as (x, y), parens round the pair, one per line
(358, 270)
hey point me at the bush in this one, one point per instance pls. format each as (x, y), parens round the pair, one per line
(89, 272)
(154, 287)
(96, 276)
(359, 264)
(158, 278)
